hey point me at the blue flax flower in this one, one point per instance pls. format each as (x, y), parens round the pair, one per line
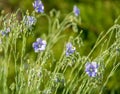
(38, 6)
(29, 20)
(39, 45)
(76, 10)
(69, 49)
(91, 69)
(5, 31)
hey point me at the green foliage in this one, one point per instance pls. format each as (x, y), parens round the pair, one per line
(22, 71)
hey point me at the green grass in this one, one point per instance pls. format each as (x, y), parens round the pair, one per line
(22, 71)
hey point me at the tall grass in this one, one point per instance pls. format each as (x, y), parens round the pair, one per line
(41, 72)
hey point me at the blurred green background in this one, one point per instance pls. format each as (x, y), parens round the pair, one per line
(97, 16)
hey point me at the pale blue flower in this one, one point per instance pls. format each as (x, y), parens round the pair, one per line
(5, 31)
(69, 49)
(39, 45)
(29, 21)
(91, 68)
(38, 6)
(76, 10)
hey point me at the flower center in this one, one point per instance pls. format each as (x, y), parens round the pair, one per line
(39, 45)
(91, 69)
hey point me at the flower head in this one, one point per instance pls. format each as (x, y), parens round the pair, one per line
(29, 20)
(38, 6)
(39, 45)
(76, 10)
(91, 69)
(5, 32)
(69, 49)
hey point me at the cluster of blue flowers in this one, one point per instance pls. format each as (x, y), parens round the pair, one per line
(91, 68)
(30, 21)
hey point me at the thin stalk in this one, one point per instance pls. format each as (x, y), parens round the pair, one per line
(111, 73)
